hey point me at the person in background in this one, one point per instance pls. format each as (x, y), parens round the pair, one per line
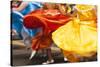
(19, 10)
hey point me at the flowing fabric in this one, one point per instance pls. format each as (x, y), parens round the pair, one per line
(17, 18)
(17, 22)
(49, 20)
(31, 7)
(78, 37)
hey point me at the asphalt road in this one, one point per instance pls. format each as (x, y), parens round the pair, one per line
(20, 55)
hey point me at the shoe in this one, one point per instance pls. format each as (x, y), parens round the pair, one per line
(48, 62)
(65, 59)
(32, 54)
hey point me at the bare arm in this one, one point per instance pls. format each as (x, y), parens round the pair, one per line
(21, 7)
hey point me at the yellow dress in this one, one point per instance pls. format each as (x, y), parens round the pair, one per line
(78, 36)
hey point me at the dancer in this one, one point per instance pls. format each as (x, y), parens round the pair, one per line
(19, 10)
(48, 19)
(78, 37)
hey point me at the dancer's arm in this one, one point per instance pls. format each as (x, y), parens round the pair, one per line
(21, 7)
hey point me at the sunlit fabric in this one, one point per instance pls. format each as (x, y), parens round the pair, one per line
(79, 36)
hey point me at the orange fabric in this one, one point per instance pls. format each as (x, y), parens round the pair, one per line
(72, 57)
(49, 21)
(40, 42)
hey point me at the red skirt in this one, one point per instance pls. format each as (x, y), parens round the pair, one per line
(49, 21)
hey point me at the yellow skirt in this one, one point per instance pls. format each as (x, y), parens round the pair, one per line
(78, 37)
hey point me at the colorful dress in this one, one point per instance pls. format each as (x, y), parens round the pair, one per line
(78, 37)
(48, 20)
(17, 18)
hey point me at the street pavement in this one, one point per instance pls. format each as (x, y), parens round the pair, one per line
(20, 55)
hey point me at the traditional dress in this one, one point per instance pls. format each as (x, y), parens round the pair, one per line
(48, 20)
(17, 18)
(78, 37)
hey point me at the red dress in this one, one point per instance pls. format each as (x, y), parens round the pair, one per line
(49, 20)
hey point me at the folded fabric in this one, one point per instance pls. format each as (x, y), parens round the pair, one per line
(17, 18)
(78, 36)
(49, 20)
